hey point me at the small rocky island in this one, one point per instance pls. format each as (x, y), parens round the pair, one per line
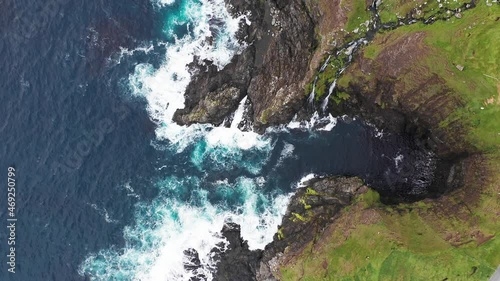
(427, 69)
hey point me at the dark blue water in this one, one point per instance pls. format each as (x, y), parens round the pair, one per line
(79, 141)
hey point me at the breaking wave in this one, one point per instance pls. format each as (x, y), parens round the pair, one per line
(190, 211)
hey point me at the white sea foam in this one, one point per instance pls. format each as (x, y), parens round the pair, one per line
(287, 152)
(305, 179)
(125, 52)
(170, 224)
(103, 212)
(164, 88)
(166, 227)
(238, 114)
(130, 190)
(164, 2)
(398, 160)
(214, 157)
(325, 123)
(182, 217)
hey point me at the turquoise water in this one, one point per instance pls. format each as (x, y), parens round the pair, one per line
(223, 175)
(128, 206)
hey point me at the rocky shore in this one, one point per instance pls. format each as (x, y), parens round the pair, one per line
(310, 211)
(402, 82)
(270, 71)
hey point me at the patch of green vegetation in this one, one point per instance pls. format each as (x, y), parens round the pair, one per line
(281, 235)
(264, 116)
(340, 96)
(439, 9)
(471, 43)
(304, 203)
(392, 10)
(359, 14)
(308, 88)
(311, 192)
(413, 233)
(356, 27)
(298, 217)
(423, 205)
(370, 198)
(407, 241)
(327, 77)
(371, 51)
(398, 247)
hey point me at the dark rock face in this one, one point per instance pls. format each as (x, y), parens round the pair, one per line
(404, 95)
(277, 89)
(271, 70)
(193, 264)
(310, 210)
(237, 262)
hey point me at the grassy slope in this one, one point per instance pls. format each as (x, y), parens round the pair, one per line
(417, 241)
(457, 236)
(358, 15)
(471, 42)
(392, 10)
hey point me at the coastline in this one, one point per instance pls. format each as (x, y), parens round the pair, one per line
(459, 214)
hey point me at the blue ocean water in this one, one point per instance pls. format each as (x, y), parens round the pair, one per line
(107, 187)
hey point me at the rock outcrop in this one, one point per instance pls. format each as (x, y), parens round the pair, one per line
(310, 210)
(237, 262)
(271, 70)
(395, 86)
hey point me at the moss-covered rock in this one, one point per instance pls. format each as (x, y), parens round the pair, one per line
(454, 237)
(310, 210)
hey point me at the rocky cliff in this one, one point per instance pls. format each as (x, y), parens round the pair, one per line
(271, 70)
(310, 211)
(426, 69)
(425, 74)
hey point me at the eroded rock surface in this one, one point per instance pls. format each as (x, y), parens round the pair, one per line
(310, 211)
(271, 70)
(396, 90)
(237, 262)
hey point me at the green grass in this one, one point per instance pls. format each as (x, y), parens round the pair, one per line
(311, 192)
(471, 42)
(400, 246)
(391, 10)
(370, 199)
(358, 15)
(409, 241)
